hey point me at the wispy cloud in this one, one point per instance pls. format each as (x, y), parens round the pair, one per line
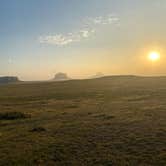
(61, 40)
(104, 20)
(56, 39)
(77, 36)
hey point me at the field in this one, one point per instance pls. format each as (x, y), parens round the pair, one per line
(118, 120)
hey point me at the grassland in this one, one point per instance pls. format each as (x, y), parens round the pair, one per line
(117, 121)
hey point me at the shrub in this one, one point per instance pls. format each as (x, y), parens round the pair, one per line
(12, 115)
(38, 129)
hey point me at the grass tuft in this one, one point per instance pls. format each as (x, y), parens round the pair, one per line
(13, 115)
(38, 129)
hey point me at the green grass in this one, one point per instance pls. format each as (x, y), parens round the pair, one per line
(110, 121)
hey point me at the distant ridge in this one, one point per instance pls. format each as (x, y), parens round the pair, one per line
(97, 75)
(64, 77)
(131, 76)
(115, 76)
(8, 79)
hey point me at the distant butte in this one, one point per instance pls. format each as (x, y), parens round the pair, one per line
(61, 77)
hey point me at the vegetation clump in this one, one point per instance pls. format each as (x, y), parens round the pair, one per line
(13, 115)
(38, 129)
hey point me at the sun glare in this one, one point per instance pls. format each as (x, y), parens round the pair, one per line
(154, 56)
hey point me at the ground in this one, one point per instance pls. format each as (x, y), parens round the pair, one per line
(119, 121)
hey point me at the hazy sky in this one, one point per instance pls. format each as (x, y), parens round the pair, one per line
(81, 37)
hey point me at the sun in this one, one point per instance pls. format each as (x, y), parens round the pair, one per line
(154, 56)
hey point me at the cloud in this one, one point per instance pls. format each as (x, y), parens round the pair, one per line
(10, 60)
(104, 20)
(87, 31)
(61, 40)
(56, 39)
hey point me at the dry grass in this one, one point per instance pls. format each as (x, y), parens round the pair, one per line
(109, 121)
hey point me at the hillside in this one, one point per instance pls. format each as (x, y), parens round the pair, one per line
(118, 120)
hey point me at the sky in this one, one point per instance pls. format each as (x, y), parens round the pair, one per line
(39, 38)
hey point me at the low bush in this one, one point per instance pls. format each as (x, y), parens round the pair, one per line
(13, 115)
(38, 129)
